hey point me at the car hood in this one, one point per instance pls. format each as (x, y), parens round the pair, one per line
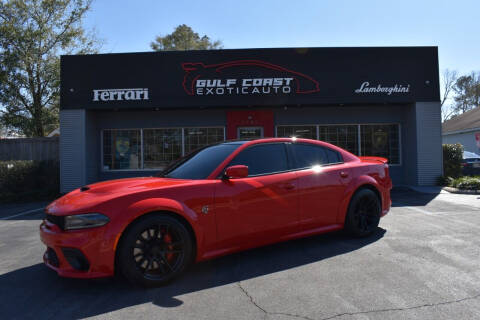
(87, 197)
(130, 185)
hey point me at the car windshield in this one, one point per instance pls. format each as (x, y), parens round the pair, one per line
(200, 163)
(470, 155)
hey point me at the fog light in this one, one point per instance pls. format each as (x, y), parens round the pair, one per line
(51, 257)
(76, 259)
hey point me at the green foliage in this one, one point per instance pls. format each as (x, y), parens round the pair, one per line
(466, 183)
(452, 160)
(33, 33)
(29, 180)
(444, 181)
(184, 38)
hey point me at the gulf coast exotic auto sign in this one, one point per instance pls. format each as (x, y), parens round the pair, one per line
(250, 77)
(245, 77)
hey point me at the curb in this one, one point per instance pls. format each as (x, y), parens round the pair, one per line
(460, 191)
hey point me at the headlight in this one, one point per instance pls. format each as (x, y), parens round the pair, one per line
(82, 221)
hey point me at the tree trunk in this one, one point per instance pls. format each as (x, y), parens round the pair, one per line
(38, 130)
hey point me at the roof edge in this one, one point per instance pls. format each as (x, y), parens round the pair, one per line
(460, 131)
(166, 52)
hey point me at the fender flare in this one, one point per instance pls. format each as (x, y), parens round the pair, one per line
(352, 187)
(146, 206)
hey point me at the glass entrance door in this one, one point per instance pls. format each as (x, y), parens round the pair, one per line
(250, 132)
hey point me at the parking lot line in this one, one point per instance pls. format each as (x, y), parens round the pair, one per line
(22, 213)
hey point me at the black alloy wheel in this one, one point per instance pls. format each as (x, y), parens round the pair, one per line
(363, 214)
(155, 249)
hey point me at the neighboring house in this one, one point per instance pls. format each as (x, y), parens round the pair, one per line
(54, 133)
(463, 129)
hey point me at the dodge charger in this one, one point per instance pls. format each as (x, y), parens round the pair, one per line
(220, 199)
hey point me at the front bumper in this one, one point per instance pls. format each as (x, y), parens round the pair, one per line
(91, 248)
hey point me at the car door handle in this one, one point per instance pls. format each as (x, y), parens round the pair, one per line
(343, 174)
(288, 186)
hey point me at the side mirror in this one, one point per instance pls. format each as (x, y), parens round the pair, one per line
(236, 172)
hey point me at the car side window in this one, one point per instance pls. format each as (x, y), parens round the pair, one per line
(263, 159)
(309, 155)
(333, 156)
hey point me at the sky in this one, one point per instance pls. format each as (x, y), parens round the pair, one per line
(453, 26)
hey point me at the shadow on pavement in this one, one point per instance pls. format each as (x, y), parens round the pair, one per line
(27, 211)
(37, 215)
(37, 292)
(405, 197)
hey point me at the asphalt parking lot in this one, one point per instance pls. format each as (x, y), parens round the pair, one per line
(423, 262)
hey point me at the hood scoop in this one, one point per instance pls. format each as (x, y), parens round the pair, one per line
(84, 188)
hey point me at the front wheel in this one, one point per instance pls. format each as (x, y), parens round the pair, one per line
(363, 213)
(155, 250)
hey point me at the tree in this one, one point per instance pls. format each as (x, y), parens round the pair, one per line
(467, 92)
(184, 38)
(33, 33)
(3, 131)
(448, 81)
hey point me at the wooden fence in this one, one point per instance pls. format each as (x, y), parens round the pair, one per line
(29, 149)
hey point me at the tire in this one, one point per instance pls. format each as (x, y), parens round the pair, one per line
(363, 213)
(155, 250)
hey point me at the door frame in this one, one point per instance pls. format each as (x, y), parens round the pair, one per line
(249, 118)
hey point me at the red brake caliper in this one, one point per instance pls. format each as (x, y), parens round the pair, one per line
(168, 239)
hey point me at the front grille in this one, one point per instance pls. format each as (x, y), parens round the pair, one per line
(52, 257)
(57, 220)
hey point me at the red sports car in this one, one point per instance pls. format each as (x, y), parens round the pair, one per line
(220, 199)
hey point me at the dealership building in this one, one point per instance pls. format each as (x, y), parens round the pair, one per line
(130, 114)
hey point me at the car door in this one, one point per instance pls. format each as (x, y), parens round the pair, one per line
(321, 183)
(262, 205)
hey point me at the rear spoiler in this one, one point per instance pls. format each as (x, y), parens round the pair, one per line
(372, 159)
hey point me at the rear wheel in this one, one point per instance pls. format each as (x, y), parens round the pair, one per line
(363, 213)
(155, 250)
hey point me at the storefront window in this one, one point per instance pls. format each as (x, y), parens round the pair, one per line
(307, 132)
(381, 141)
(121, 149)
(343, 136)
(199, 137)
(161, 146)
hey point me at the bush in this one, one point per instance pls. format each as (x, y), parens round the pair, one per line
(452, 160)
(29, 180)
(467, 183)
(444, 181)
